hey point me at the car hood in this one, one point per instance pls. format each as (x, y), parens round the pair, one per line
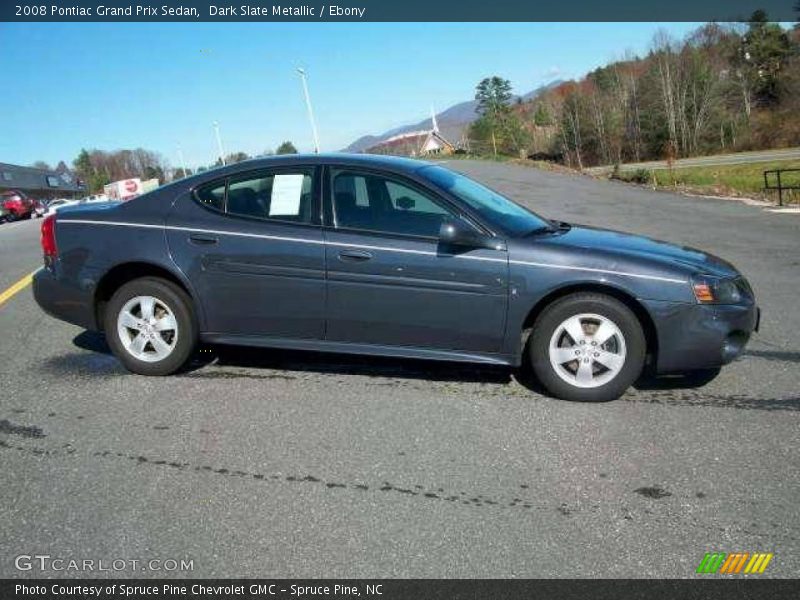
(621, 244)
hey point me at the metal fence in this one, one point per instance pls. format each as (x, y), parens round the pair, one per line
(781, 180)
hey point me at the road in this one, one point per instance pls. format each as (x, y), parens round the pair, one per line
(708, 161)
(278, 464)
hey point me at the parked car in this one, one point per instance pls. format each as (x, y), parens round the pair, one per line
(96, 198)
(387, 256)
(55, 205)
(39, 208)
(3, 212)
(17, 204)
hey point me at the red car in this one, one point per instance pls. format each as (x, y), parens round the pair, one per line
(17, 205)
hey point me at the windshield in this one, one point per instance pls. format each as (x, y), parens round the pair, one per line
(497, 210)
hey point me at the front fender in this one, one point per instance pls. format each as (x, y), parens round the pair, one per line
(535, 277)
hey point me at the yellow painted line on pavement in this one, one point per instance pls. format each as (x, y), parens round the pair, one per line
(16, 288)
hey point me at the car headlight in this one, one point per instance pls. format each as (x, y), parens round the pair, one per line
(714, 290)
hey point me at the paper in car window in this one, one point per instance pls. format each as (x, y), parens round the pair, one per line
(286, 192)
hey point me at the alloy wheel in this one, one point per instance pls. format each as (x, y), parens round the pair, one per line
(587, 350)
(147, 328)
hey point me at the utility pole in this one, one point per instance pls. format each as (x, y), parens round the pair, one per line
(310, 110)
(219, 143)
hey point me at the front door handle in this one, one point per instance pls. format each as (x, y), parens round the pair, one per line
(355, 255)
(200, 239)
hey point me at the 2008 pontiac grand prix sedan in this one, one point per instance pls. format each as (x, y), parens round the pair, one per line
(387, 256)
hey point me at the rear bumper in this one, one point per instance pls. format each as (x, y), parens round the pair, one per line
(65, 299)
(700, 336)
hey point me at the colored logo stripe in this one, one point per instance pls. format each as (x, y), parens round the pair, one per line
(711, 562)
(734, 563)
(758, 563)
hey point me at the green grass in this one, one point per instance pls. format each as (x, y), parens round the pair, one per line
(738, 180)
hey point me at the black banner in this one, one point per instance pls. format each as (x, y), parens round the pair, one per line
(393, 10)
(402, 589)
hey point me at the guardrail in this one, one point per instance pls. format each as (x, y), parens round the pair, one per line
(780, 184)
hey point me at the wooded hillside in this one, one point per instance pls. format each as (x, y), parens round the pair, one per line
(724, 88)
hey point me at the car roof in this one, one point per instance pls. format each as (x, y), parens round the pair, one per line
(153, 199)
(394, 163)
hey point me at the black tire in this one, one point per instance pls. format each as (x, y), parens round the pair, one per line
(180, 305)
(11, 217)
(557, 313)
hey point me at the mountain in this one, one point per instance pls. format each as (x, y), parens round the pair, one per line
(453, 122)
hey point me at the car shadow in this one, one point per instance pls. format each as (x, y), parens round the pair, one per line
(776, 355)
(678, 381)
(350, 364)
(324, 362)
(94, 341)
(305, 361)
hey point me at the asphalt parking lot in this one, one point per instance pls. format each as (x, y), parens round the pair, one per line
(276, 464)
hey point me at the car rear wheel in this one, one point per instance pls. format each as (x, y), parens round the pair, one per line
(587, 347)
(150, 326)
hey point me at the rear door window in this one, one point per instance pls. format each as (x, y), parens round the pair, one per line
(284, 195)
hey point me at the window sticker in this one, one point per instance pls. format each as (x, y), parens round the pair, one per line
(286, 193)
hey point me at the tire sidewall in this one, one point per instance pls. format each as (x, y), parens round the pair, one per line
(179, 304)
(606, 306)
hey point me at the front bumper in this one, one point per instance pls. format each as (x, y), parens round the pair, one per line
(64, 298)
(700, 336)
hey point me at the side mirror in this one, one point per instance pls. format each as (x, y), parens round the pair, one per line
(457, 233)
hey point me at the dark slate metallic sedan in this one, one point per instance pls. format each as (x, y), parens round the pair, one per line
(387, 256)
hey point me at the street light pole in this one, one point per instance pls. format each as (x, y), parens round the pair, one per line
(219, 143)
(183, 162)
(310, 110)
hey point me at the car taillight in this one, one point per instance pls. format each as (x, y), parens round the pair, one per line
(49, 237)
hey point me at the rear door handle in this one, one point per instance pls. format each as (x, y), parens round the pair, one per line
(355, 255)
(200, 239)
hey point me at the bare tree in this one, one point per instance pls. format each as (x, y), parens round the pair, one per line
(665, 61)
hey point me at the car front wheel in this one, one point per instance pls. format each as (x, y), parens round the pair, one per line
(150, 327)
(587, 347)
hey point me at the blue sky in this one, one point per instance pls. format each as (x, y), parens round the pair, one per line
(127, 85)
